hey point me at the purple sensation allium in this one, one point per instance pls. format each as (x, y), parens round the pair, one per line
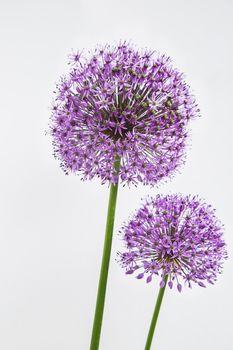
(121, 102)
(175, 236)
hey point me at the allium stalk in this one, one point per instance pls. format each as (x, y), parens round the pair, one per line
(96, 331)
(155, 315)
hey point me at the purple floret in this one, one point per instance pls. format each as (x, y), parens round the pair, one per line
(175, 236)
(124, 103)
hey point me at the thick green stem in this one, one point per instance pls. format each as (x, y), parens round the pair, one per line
(98, 318)
(155, 315)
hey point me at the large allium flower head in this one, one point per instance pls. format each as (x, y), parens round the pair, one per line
(174, 236)
(121, 103)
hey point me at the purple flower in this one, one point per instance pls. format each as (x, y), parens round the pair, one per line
(121, 103)
(174, 236)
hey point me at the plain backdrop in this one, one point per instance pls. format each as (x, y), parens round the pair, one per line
(52, 225)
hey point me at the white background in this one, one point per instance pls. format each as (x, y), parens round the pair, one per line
(52, 225)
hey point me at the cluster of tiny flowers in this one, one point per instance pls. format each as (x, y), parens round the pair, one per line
(121, 103)
(174, 236)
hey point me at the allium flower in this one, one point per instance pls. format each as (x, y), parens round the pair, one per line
(122, 103)
(174, 236)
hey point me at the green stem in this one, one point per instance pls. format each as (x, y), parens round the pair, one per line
(155, 315)
(99, 309)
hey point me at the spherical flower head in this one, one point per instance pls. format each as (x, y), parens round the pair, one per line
(121, 103)
(175, 236)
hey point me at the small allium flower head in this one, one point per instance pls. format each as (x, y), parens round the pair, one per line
(123, 103)
(174, 236)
